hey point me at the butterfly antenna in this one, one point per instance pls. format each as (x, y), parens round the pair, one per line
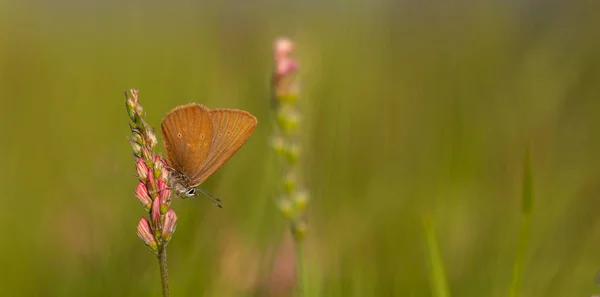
(214, 199)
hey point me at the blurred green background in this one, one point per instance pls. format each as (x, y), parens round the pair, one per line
(411, 109)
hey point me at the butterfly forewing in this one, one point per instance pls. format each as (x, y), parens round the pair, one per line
(231, 129)
(187, 132)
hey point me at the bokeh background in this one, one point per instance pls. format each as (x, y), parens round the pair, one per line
(411, 109)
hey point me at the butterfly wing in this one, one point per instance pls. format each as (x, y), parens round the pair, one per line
(231, 129)
(187, 132)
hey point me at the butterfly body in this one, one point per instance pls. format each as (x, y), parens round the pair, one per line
(199, 140)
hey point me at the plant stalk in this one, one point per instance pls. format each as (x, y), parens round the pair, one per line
(164, 274)
(302, 280)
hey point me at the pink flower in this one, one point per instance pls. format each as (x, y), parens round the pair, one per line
(151, 183)
(170, 225)
(144, 232)
(156, 220)
(142, 169)
(164, 195)
(160, 165)
(141, 192)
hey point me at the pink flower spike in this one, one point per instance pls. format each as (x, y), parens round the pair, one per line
(144, 232)
(156, 222)
(141, 192)
(170, 225)
(286, 66)
(142, 169)
(283, 47)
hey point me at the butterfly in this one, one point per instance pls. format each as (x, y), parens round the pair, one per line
(199, 140)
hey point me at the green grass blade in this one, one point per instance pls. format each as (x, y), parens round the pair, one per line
(438, 277)
(525, 227)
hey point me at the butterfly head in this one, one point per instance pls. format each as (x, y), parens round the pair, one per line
(181, 185)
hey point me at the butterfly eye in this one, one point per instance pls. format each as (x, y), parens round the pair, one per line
(191, 192)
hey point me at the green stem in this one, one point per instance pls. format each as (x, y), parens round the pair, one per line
(302, 280)
(164, 274)
(524, 234)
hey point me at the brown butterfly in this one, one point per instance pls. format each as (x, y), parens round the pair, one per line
(199, 140)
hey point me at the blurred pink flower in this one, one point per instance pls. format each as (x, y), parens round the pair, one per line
(283, 47)
(285, 66)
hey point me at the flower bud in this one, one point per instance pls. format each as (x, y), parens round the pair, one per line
(137, 137)
(136, 147)
(164, 195)
(134, 95)
(291, 153)
(156, 220)
(130, 105)
(300, 200)
(170, 225)
(164, 174)
(151, 182)
(142, 169)
(289, 182)
(278, 144)
(141, 192)
(147, 153)
(285, 206)
(299, 229)
(288, 119)
(144, 232)
(158, 168)
(152, 141)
